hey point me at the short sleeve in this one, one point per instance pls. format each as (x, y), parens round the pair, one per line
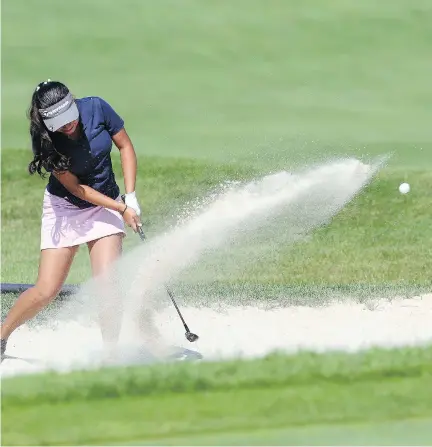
(113, 122)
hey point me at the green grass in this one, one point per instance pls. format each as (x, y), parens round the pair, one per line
(137, 418)
(405, 432)
(381, 238)
(218, 90)
(221, 90)
(275, 81)
(135, 403)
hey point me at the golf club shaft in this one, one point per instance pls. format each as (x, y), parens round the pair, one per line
(189, 335)
(143, 237)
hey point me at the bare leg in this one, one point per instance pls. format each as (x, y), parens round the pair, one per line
(54, 268)
(103, 253)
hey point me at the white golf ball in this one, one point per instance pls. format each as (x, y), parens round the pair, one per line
(404, 188)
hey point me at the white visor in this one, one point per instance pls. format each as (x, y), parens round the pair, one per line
(60, 114)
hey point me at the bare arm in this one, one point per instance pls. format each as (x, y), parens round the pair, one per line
(128, 159)
(84, 192)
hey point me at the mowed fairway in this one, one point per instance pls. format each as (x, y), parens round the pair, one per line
(232, 90)
(411, 431)
(247, 81)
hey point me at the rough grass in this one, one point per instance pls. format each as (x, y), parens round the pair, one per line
(275, 371)
(170, 400)
(135, 418)
(381, 239)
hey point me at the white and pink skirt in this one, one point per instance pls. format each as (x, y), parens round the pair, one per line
(66, 225)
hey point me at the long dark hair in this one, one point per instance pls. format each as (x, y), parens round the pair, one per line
(45, 154)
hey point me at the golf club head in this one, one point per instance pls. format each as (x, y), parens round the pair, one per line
(191, 337)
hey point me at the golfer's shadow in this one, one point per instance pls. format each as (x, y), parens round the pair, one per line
(70, 221)
(66, 225)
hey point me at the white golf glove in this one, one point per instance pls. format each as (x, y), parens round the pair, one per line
(132, 202)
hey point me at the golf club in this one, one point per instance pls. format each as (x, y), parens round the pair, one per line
(189, 335)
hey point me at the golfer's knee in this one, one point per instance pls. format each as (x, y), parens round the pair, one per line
(45, 293)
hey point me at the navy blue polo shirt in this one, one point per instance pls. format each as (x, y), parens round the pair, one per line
(90, 156)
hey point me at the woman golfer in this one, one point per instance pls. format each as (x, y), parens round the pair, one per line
(72, 140)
